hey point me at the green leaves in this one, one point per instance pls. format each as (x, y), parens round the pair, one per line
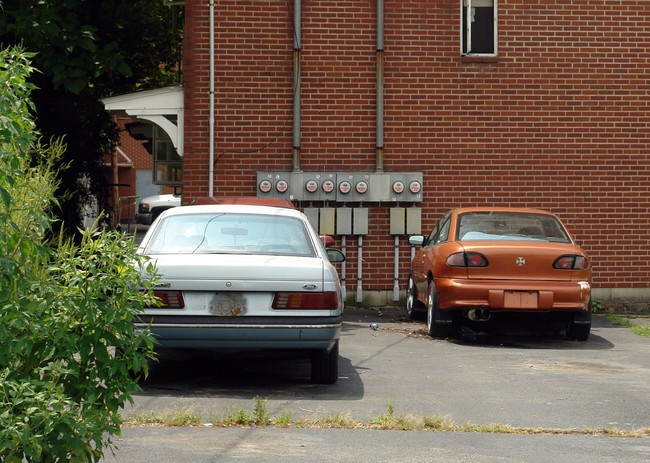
(16, 125)
(68, 346)
(68, 350)
(79, 42)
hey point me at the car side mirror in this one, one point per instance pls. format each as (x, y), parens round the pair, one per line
(416, 240)
(334, 255)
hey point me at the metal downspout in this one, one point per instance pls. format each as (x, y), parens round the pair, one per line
(396, 273)
(359, 297)
(343, 267)
(211, 122)
(380, 87)
(296, 83)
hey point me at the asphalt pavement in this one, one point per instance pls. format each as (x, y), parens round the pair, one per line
(527, 377)
(271, 445)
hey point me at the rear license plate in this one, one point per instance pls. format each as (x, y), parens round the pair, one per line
(230, 304)
(520, 299)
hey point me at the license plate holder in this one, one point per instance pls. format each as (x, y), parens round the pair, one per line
(520, 299)
(226, 304)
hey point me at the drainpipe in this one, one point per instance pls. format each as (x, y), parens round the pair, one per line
(296, 84)
(211, 121)
(380, 87)
(396, 272)
(359, 298)
(343, 267)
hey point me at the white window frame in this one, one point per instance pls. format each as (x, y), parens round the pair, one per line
(466, 32)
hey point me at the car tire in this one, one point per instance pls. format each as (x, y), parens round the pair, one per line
(325, 365)
(415, 309)
(579, 327)
(438, 326)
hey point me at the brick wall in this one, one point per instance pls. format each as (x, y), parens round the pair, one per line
(560, 121)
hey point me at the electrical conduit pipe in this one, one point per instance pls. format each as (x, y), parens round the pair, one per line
(296, 84)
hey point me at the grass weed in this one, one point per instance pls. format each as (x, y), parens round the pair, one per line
(624, 320)
(342, 420)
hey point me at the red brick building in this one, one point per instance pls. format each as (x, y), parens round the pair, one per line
(539, 104)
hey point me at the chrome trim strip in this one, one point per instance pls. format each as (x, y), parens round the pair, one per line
(229, 326)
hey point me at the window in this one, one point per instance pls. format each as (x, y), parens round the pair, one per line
(440, 232)
(510, 226)
(479, 27)
(444, 232)
(167, 164)
(231, 233)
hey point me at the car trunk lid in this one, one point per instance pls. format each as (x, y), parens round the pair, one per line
(520, 260)
(239, 272)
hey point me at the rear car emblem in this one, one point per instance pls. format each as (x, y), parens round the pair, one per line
(520, 261)
(309, 287)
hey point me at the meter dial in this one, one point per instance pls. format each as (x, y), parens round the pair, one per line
(345, 187)
(415, 187)
(282, 186)
(398, 186)
(311, 186)
(265, 186)
(328, 186)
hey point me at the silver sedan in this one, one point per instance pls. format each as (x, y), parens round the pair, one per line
(245, 277)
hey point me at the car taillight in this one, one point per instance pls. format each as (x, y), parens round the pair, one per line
(467, 259)
(571, 263)
(323, 301)
(169, 299)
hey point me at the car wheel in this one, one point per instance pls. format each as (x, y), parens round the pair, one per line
(414, 308)
(579, 326)
(437, 325)
(325, 365)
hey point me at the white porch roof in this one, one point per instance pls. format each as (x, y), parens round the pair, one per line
(154, 106)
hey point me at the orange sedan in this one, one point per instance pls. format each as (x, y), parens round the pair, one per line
(482, 261)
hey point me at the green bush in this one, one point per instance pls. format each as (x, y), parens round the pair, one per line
(69, 352)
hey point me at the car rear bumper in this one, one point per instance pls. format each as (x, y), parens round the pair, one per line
(243, 332)
(513, 296)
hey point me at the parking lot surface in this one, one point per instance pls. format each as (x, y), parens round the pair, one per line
(527, 377)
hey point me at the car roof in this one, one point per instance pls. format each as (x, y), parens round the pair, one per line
(462, 210)
(244, 200)
(233, 209)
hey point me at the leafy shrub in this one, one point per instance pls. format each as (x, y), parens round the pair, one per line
(69, 352)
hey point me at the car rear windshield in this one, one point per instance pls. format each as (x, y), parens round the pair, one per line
(231, 233)
(492, 226)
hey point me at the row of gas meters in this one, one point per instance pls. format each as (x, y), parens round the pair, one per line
(341, 187)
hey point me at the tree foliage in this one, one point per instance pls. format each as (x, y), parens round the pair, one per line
(68, 346)
(87, 50)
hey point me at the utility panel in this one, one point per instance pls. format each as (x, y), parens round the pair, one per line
(360, 222)
(327, 222)
(341, 186)
(344, 221)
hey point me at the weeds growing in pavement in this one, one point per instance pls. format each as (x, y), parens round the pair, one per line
(341, 420)
(260, 413)
(624, 321)
(284, 420)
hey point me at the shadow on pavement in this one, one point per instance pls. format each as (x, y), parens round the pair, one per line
(245, 376)
(519, 331)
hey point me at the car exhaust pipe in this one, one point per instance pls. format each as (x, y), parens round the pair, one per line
(482, 314)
